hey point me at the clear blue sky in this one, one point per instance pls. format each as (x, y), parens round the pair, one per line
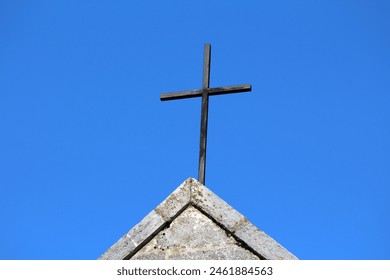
(87, 149)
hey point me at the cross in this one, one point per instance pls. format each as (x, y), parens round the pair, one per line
(204, 92)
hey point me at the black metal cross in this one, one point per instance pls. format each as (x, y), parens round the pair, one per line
(205, 92)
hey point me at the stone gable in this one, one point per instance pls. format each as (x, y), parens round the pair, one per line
(194, 223)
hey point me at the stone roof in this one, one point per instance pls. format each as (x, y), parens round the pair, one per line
(194, 223)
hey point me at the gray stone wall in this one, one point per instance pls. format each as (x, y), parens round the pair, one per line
(193, 236)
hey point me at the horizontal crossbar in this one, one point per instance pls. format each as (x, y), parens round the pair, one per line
(198, 92)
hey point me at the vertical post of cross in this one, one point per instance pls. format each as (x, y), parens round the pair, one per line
(204, 114)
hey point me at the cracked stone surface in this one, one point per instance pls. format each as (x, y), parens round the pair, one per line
(193, 236)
